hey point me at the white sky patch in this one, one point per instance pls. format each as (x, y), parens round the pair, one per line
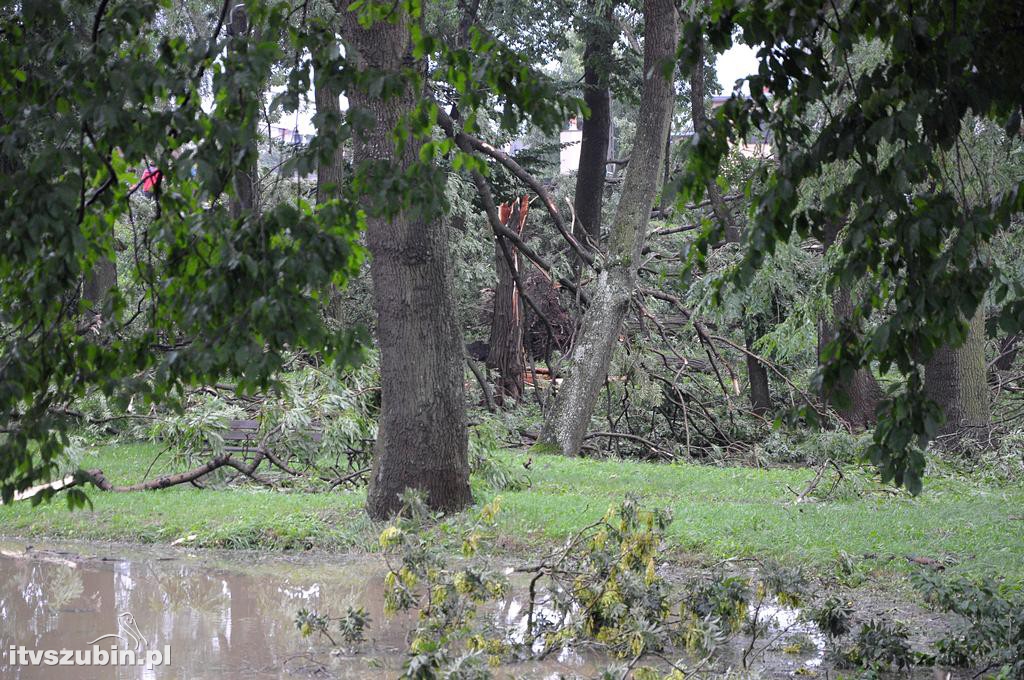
(301, 120)
(736, 62)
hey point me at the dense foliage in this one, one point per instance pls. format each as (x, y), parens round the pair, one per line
(164, 246)
(886, 157)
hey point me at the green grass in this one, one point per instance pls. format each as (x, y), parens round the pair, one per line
(745, 512)
(232, 518)
(719, 513)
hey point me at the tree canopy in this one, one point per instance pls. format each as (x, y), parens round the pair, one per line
(877, 145)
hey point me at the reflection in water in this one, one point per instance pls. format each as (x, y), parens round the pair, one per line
(233, 617)
(219, 622)
(222, 617)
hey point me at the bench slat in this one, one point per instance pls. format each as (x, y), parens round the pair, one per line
(239, 435)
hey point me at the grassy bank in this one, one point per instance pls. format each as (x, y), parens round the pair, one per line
(719, 513)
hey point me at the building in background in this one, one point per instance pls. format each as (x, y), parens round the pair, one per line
(571, 140)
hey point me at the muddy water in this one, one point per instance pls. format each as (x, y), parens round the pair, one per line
(231, 615)
(221, 616)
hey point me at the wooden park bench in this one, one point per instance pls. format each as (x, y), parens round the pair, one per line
(247, 432)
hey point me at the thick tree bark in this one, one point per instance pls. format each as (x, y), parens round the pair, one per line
(421, 438)
(506, 343)
(956, 379)
(862, 392)
(597, 55)
(331, 174)
(569, 418)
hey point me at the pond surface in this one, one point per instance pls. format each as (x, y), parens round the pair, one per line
(232, 614)
(222, 615)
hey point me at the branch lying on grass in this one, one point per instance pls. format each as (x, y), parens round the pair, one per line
(812, 486)
(97, 478)
(347, 478)
(635, 438)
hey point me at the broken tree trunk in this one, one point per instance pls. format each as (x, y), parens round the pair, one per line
(506, 343)
(567, 422)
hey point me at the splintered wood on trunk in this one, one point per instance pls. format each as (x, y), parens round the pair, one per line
(421, 441)
(567, 422)
(507, 321)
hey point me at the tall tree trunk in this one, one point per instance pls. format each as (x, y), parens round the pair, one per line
(506, 344)
(245, 179)
(569, 418)
(955, 378)
(757, 372)
(96, 289)
(421, 434)
(862, 393)
(753, 324)
(597, 57)
(330, 175)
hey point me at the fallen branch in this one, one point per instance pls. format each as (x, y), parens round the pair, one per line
(484, 387)
(632, 437)
(348, 478)
(58, 484)
(99, 480)
(812, 486)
